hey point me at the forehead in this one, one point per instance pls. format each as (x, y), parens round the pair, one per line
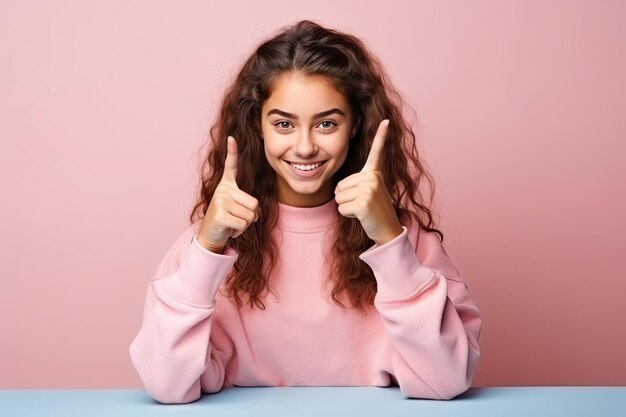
(297, 92)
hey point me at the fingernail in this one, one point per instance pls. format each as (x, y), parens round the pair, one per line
(256, 217)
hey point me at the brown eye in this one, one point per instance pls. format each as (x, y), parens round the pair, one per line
(283, 124)
(327, 124)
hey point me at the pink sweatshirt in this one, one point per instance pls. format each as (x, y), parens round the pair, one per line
(421, 333)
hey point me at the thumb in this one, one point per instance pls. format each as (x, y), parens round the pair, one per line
(230, 165)
(374, 159)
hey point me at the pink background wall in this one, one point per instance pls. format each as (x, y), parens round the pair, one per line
(104, 106)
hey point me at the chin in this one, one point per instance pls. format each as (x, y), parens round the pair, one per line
(308, 191)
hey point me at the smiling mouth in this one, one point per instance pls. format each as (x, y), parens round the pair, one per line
(306, 167)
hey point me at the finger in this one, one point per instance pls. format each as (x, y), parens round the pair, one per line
(230, 165)
(240, 212)
(349, 182)
(246, 200)
(356, 179)
(348, 210)
(373, 162)
(240, 225)
(236, 225)
(346, 196)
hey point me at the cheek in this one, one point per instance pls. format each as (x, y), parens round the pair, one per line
(273, 150)
(342, 151)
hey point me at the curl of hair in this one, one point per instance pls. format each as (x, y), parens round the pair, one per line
(344, 60)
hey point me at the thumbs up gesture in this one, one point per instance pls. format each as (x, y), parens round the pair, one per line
(231, 210)
(364, 195)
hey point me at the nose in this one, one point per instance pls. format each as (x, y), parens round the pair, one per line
(304, 147)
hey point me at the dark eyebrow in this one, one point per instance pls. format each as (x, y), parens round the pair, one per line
(315, 116)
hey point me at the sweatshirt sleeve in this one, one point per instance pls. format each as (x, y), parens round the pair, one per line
(172, 349)
(432, 322)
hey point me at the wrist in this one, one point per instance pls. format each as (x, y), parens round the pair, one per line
(389, 236)
(208, 246)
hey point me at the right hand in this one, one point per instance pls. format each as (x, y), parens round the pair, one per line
(231, 210)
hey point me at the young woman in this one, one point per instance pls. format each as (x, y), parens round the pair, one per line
(311, 258)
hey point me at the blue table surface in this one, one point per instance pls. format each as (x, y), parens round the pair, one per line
(321, 401)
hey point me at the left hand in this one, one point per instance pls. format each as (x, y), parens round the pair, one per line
(364, 195)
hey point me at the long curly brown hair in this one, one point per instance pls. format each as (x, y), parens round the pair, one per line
(311, 49)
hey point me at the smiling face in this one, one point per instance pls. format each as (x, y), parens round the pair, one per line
(306, 125)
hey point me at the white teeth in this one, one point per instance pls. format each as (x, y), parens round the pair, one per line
(306, 167)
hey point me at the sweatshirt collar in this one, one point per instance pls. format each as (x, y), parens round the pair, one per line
(307, 219)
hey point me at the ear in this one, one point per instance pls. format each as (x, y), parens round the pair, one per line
(353, 132)
(355, 126)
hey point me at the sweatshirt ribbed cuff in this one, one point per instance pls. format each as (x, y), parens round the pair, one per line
(399, 274)
(199, 276)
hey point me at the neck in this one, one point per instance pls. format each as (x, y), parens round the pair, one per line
(322, 196)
